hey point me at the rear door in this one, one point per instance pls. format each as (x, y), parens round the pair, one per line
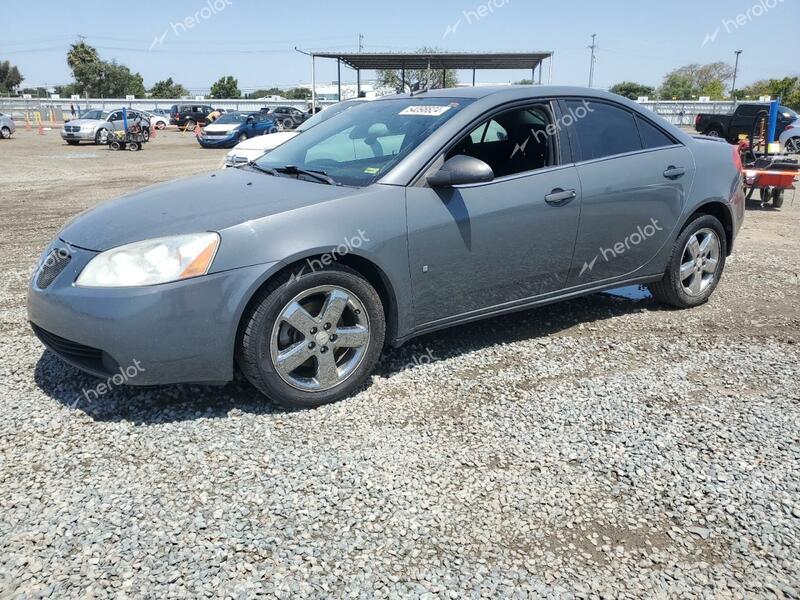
(486, 245)
(635, 179)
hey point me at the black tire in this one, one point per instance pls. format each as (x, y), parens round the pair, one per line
(288, 124)
(670, 290)
(98, 137)
(115, 145)
(253, 345)
(714, 132)
(134, 146)
(242, 138)
(146, 134)
(793, 145)
(777, 198)
(160, 125)
(5, 133)
(190, 125)
(73, 142)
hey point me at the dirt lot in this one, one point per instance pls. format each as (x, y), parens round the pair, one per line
(602, 447)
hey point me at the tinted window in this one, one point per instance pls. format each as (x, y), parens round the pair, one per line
(515, 141)
(603, 130)
(652, 136)
(750, 110)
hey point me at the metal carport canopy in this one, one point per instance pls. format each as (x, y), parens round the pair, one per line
(438, 60)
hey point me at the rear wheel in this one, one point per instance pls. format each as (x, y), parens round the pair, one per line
(146, 134)
(777, 198)
(190, 125)
(134, 146)
(5, 133)
(714, 132)
(314, 339)
(160, 125)
(696, 265)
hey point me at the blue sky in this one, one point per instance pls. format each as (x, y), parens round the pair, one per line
(254, 40)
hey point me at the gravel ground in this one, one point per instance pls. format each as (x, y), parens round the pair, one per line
(601, 448)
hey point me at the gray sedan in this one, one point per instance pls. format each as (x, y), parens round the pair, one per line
(395, 218)
(7, 127)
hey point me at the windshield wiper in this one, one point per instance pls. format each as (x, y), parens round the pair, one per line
(318, 175)
(258, 167)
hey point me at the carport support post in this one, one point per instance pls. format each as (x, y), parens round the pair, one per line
(338, 78)
(550, 69)
(541, 66)
(403, 80)
(473, 76)
(358, 83)
(444, 78)
(313, 84)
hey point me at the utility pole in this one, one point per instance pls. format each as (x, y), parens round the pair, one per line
(593, 47)
(735, 72)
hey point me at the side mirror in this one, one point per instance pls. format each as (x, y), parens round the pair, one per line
(461, 170)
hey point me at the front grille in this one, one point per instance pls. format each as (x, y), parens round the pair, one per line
(67, 348)
(72, 128)
(52, 267)
(216, 133)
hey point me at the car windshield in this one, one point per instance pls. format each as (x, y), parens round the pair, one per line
(93, 114)
(365, 142)
(232, 117)
(326, 114)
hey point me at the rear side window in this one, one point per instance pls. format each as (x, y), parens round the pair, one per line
(652, 136)
(604, 130)
(749, 110)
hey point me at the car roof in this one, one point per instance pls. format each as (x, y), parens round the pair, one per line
(510, 92)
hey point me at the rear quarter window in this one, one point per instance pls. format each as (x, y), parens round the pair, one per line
(652, 136)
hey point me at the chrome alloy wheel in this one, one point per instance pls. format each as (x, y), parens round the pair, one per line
(320, 338)
(700, 262)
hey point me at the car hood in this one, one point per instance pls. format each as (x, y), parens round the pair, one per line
(222, 128)
(265, 142)
(208, 202)
(84, 122)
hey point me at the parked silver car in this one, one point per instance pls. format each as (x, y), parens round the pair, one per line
(94, 126)
(7, 127)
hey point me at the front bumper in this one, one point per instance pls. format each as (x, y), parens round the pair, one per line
(81, 136)
(218, 141)
(182, 332)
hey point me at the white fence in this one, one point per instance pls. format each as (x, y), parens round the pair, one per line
(678, 113)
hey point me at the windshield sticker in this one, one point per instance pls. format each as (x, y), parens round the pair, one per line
(425, 110)
(372, 170)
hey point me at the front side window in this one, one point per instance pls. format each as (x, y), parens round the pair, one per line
(603, 130)
(364, 143)
(512, 142)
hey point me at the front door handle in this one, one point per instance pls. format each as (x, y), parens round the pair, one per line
(559, 197)
(674, 172)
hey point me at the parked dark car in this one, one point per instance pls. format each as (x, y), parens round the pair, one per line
(289, 117)
(235, 127)
(741, 121)
(395, 218)
(189, 115)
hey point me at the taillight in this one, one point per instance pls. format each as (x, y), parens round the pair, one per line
(737, 159)
(697, 120)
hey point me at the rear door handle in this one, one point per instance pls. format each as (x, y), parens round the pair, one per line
(674, 172)
(559, 197)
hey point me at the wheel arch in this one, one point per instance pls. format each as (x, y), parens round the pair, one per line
(722, 213)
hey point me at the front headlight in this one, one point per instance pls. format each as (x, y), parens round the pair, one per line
(151, 262)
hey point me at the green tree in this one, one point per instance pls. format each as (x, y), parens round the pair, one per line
(300, 93)
(632, 90)
(166, 88)
(81, 53)
(10, 77)
(788, 89)
(226, 87)
(260, 93)
(694, 80)
(96, 77)
(426, 78)
(524, 82)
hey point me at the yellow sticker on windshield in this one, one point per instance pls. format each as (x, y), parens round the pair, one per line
(372, 170)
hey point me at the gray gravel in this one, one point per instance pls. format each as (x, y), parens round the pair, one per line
(603, 448)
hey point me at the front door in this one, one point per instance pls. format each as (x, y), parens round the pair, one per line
(491, 244)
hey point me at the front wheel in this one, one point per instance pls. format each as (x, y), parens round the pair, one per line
(146, 134)
(696, 265)
(190, 125)
(5, 133)
(160, 125)
(312, 339)
(242, 138)
(793, 145)
(777, 198)
(101, 137)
